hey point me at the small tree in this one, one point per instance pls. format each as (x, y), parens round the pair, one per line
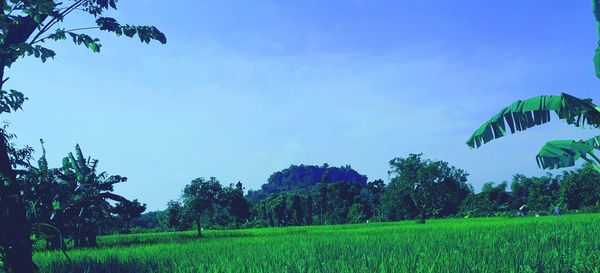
(200, 196)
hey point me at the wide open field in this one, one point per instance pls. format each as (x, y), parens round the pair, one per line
(568, 243)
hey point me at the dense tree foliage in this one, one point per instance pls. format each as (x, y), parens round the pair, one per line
(431, 188)
(326, 203)
(206, 203)
(580, 188)
(304, 176)
(152, 220)
(200, 197)
(491, 200)
(127, 211)
(173, 217)
(537, 193)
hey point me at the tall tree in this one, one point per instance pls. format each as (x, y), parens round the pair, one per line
(200, 196)
(435, 188)
(24, 26)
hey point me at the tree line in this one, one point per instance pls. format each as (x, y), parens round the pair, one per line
(418, 189)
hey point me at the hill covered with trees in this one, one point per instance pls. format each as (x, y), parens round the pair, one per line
(298, 177)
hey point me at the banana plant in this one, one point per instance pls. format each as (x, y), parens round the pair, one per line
(41, 190)
(524, 114)
(86, 204)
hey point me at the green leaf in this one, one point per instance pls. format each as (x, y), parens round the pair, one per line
(563, 153)
(94, 47)
(129, 31)
(522, 115)
(56, 204)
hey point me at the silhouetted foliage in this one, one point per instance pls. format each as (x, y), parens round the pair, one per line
(126, 211)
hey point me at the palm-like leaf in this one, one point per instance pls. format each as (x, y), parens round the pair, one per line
(112, 196)
(596, 9)
(563, 153)
(522, 115)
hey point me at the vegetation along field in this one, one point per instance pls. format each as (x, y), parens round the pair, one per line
(569, 243)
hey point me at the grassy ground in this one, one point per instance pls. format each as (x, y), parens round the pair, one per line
(568, 243)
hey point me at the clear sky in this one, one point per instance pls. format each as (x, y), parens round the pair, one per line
(246, 88)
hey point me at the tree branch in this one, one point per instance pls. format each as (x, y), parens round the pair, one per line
(55, 20)
(66, 31)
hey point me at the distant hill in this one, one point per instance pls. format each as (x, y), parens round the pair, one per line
(303, 176)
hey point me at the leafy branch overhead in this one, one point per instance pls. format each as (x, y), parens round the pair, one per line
(26, 25)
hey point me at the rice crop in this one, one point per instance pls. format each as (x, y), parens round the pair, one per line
(569, 243)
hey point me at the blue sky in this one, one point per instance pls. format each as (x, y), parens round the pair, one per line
(245, 89)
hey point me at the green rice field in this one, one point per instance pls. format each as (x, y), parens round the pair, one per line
(569, 243)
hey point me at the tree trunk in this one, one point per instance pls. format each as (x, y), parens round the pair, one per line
(321, 218)
(421, 219)
(92, 241)
(79, 237)
(91, 237)
(199, 228)
(53, 242)
(14, 227)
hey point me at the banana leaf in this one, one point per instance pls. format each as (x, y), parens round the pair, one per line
(114, 197)
(522, 115)
(596, 10)
(563, 153)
